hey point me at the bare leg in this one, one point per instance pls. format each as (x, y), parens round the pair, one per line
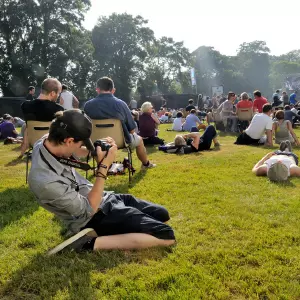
(130, 241)
(142, 153)
(24, 145)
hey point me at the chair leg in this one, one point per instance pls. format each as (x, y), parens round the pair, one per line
(27, 162)
(130, 164)
(87, 161)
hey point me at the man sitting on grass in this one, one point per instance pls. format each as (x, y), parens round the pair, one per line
(119, 221)
(260, 124)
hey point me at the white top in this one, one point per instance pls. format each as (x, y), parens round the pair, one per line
(294, 110)
(259, 124)
(285, 160)
(68, 99)
(177, 124)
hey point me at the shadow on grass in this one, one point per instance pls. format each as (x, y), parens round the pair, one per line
(15, 204)
(16, 162)
(77, 276)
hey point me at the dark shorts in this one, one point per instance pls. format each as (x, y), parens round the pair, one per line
(245, 139)
(122, 214)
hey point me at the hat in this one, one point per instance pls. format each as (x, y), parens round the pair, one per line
(278, 172)
(77, 124)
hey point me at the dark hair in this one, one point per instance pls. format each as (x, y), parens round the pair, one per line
(266, 108)
(105, 84)
(64, 87)
(193, 111)
(50, 85)
(31, 88)
(191, 101)
(179, 115)
(166, 114)
(257, 93)
(7, 117)
(57, 134)
(231, 94)
(279, 115)
(287, 107)
(277, 91)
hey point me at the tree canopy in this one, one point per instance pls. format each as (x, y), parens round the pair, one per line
(41, 38)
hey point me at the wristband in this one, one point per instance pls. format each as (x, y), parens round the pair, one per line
(101, 175)
(100, 165)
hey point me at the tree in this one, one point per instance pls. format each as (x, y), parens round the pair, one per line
(121, 42)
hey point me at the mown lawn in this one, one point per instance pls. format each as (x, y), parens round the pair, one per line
(238, 236)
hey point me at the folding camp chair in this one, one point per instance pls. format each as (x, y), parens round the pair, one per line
(112, 128)
(35, 131)
(244, 117)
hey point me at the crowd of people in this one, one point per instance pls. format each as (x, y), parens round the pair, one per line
(104, 220)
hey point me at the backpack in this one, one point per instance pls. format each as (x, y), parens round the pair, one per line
(171, 148)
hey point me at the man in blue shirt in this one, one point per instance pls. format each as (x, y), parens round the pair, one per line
(192, 122)
(107, 106)
(293, 97)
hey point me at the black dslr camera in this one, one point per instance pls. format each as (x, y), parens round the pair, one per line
(100, 143)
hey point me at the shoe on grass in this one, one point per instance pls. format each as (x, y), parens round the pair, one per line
(76, 242)
(217, 145)
(282, 146)
(288, 146)
(149, 166)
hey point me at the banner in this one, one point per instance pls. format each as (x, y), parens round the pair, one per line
(292, 82)
(217, 90)
(193, 78)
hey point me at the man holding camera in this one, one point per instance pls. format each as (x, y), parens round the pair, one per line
(119, 221)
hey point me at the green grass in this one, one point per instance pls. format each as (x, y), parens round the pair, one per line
(237, 235)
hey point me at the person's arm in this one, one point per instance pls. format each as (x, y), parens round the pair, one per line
(295, 171)
(153, 116)
(196, 138)
(269, 138)
(95, 195)
(260, 169)
(75, 102)
(61, 100)
(274, 127)
(291, 130)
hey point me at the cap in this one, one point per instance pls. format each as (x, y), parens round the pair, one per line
(78, 125)
(278, 172)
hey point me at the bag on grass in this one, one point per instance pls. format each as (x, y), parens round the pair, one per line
(171, 148)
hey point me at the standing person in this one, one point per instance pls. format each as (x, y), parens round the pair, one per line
(107, 106)
(133, 104)
(119, 221)
(259, 102)
(31, 91)
(293, 98)
(67, 99)
(285, 98)
(260, 124)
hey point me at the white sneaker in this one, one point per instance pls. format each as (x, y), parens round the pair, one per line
(150, 166)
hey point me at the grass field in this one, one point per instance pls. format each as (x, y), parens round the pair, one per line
(238, 235)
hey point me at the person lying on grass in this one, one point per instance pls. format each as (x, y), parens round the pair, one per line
(197, 142)
(278, 165)
(120, 221)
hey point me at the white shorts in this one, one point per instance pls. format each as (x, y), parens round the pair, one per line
(135, 140)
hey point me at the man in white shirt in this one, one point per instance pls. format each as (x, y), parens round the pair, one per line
(67, 99)
(260, 125)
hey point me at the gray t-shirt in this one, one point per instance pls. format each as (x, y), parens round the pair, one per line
(60, 189)
(107, 106)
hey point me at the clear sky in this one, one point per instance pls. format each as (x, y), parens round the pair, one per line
(223, 24)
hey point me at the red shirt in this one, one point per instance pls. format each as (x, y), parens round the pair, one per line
(259, 103)
(244, 104)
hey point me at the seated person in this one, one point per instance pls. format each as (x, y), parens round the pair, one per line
(260, 124)
(178, 122)
(227, 113)
(7, 128)
(43, 108)
(107, 106)
(192, 122)
(277, 103)
(119, 221)
(197, 142)
(18, 122)
(148, 123)
(279, 165)
(164, 118)
(283, 129)
(290, 115)
(244, 102)
(190, 106)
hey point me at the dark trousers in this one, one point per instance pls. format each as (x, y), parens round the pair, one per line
(245, 139)
(207, 138)
(153, 140)
(122, 213)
